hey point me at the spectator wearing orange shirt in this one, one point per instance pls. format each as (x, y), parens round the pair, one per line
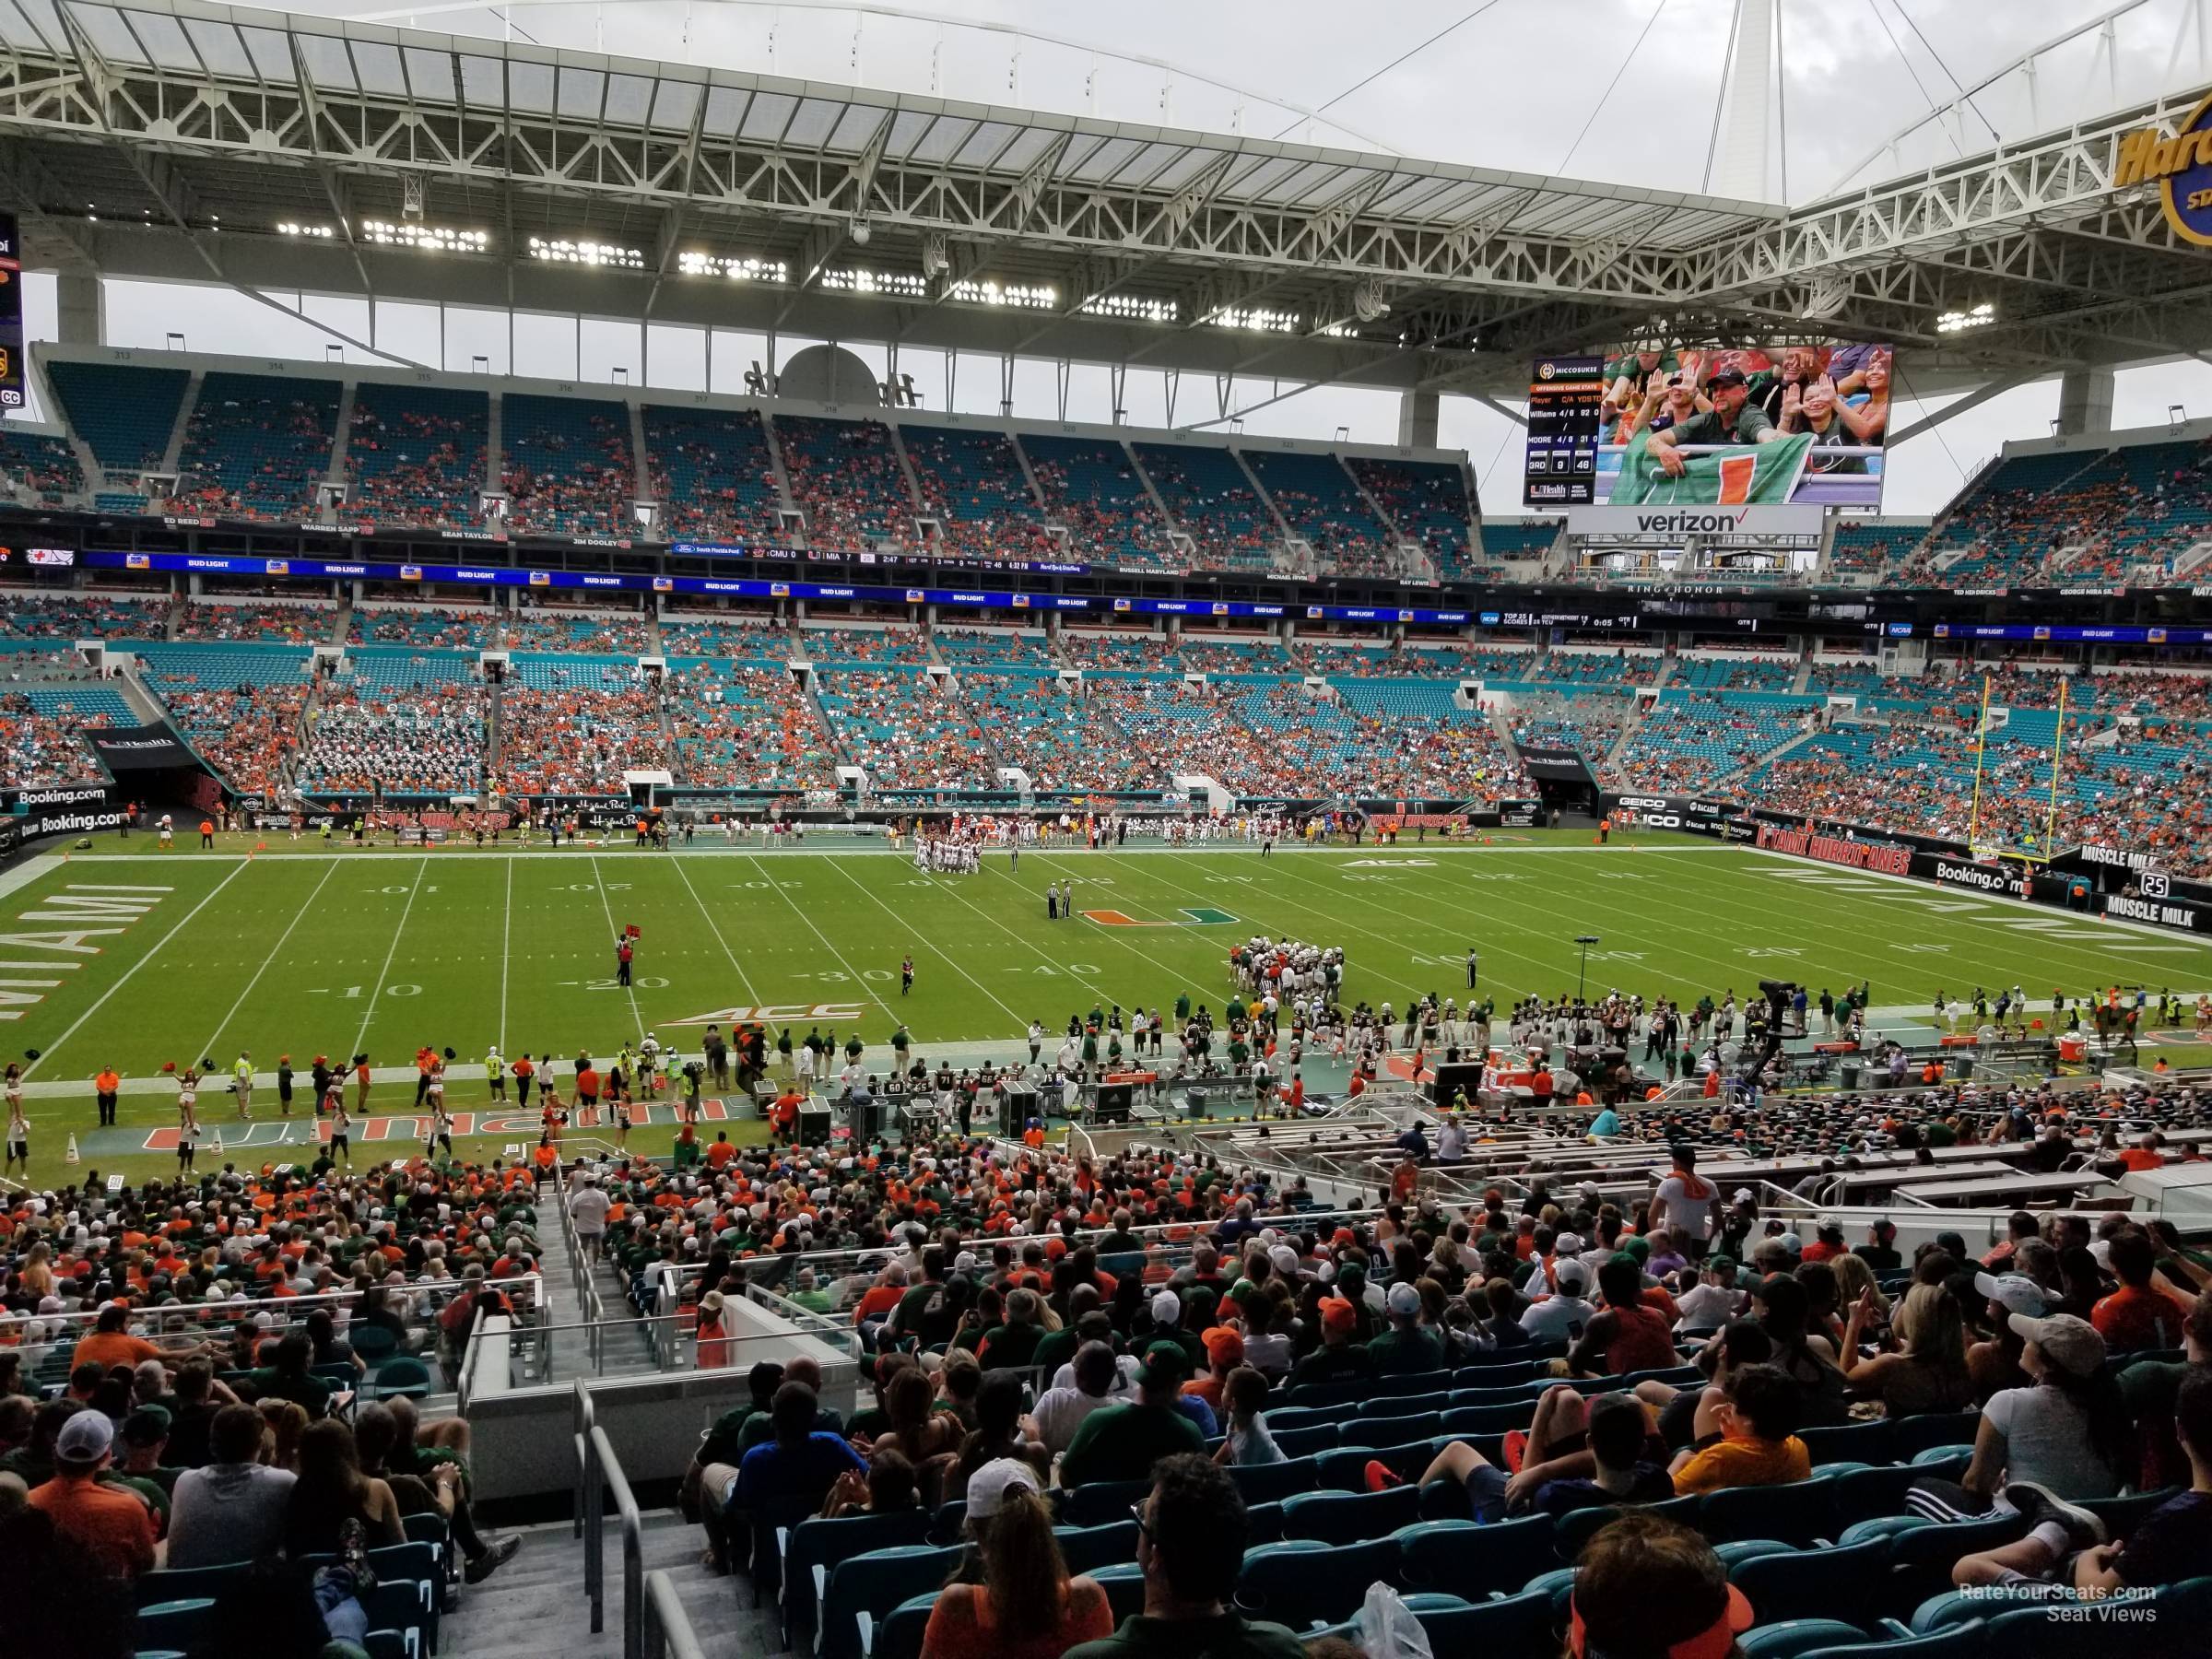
(111, 1526)
(2146, 1311)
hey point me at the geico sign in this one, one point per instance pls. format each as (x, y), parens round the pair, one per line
(1659, 821)
(1639, 802)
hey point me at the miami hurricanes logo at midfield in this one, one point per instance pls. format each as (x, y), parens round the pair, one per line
(1203, 915)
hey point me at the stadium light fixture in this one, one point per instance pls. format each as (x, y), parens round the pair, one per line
(582, 251)
(1960, 321)
(1018, 296)
(733, 268)
(318, 232)
(1130, 308)
(1581, 978)
(891, 284)
(1255, 319)
(425, 239)
(860, 232)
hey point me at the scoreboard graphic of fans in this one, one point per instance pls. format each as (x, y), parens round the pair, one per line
(1678, 426)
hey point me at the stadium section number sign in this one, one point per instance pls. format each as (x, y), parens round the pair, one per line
(2181, 166)
(1566, 396)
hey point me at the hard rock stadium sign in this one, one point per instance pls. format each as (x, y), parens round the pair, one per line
(2182, 168)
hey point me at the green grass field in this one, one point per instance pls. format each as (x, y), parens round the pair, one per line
(302, 951)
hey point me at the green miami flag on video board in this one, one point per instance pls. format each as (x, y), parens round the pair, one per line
(1748, 475)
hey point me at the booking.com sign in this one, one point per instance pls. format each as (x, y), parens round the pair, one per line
(2181, 166)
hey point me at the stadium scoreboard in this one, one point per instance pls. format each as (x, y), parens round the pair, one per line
(11, 314)
(1566, 399)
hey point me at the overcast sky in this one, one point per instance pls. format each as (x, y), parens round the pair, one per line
(1621, 90)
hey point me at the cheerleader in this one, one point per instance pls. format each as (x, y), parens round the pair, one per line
(622, 1122)
(341, 1122)
(440, 1131)
(188, 1102)
(18, 1130)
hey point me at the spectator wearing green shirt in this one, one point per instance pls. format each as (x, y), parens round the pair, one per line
(1734, 418)
(1190, 1546)
(287, 1378)
(1407, 1345)
(1124, 1444)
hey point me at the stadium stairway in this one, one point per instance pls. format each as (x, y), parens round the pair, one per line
(536, 1604)
(173, 452)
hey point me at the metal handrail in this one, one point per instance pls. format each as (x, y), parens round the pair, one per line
(602, 1473)
(667, 1633)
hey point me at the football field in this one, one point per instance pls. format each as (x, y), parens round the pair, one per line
(135, 958)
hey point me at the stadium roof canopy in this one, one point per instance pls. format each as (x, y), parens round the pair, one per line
(183, 142)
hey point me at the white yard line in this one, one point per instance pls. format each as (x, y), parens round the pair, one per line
(407, 910)
(506, 933)
(614, 930)
(208, 1048)
(125, 978)
(714, 928)
(799, 912)
(942, 955)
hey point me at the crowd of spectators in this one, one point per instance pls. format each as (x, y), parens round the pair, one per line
(585, 633)
(845, 477)
(1129, 652)
(747, 727)
(426, 627)
(827, 644)
(248, 729)
(39, 746)
(906, 734)
(1428, 501)
(575, 729)
(83, 614)
(972, 482)
(713, 475)
(264, 622)
(256, 446)
(415, 456)
(1319, 501)
(1093, 488)
(1213, 503)
(730, 634)
(569, 467)
(1690, 741)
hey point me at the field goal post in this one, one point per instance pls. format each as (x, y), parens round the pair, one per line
(1994, 847)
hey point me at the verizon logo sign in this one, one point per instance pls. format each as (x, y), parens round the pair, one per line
(1835, 850)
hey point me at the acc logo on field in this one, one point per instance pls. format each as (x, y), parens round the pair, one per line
(2181, 167)
(777, 1014)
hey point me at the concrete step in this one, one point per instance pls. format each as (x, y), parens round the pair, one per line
(536, 1604)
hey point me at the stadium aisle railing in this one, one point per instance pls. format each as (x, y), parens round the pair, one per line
(599, 1472)
(667, 1633)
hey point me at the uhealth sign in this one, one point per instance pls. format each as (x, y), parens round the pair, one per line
(2182, 168)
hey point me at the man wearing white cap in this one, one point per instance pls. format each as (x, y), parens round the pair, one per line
(1563, 1313)
(111, 1526)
